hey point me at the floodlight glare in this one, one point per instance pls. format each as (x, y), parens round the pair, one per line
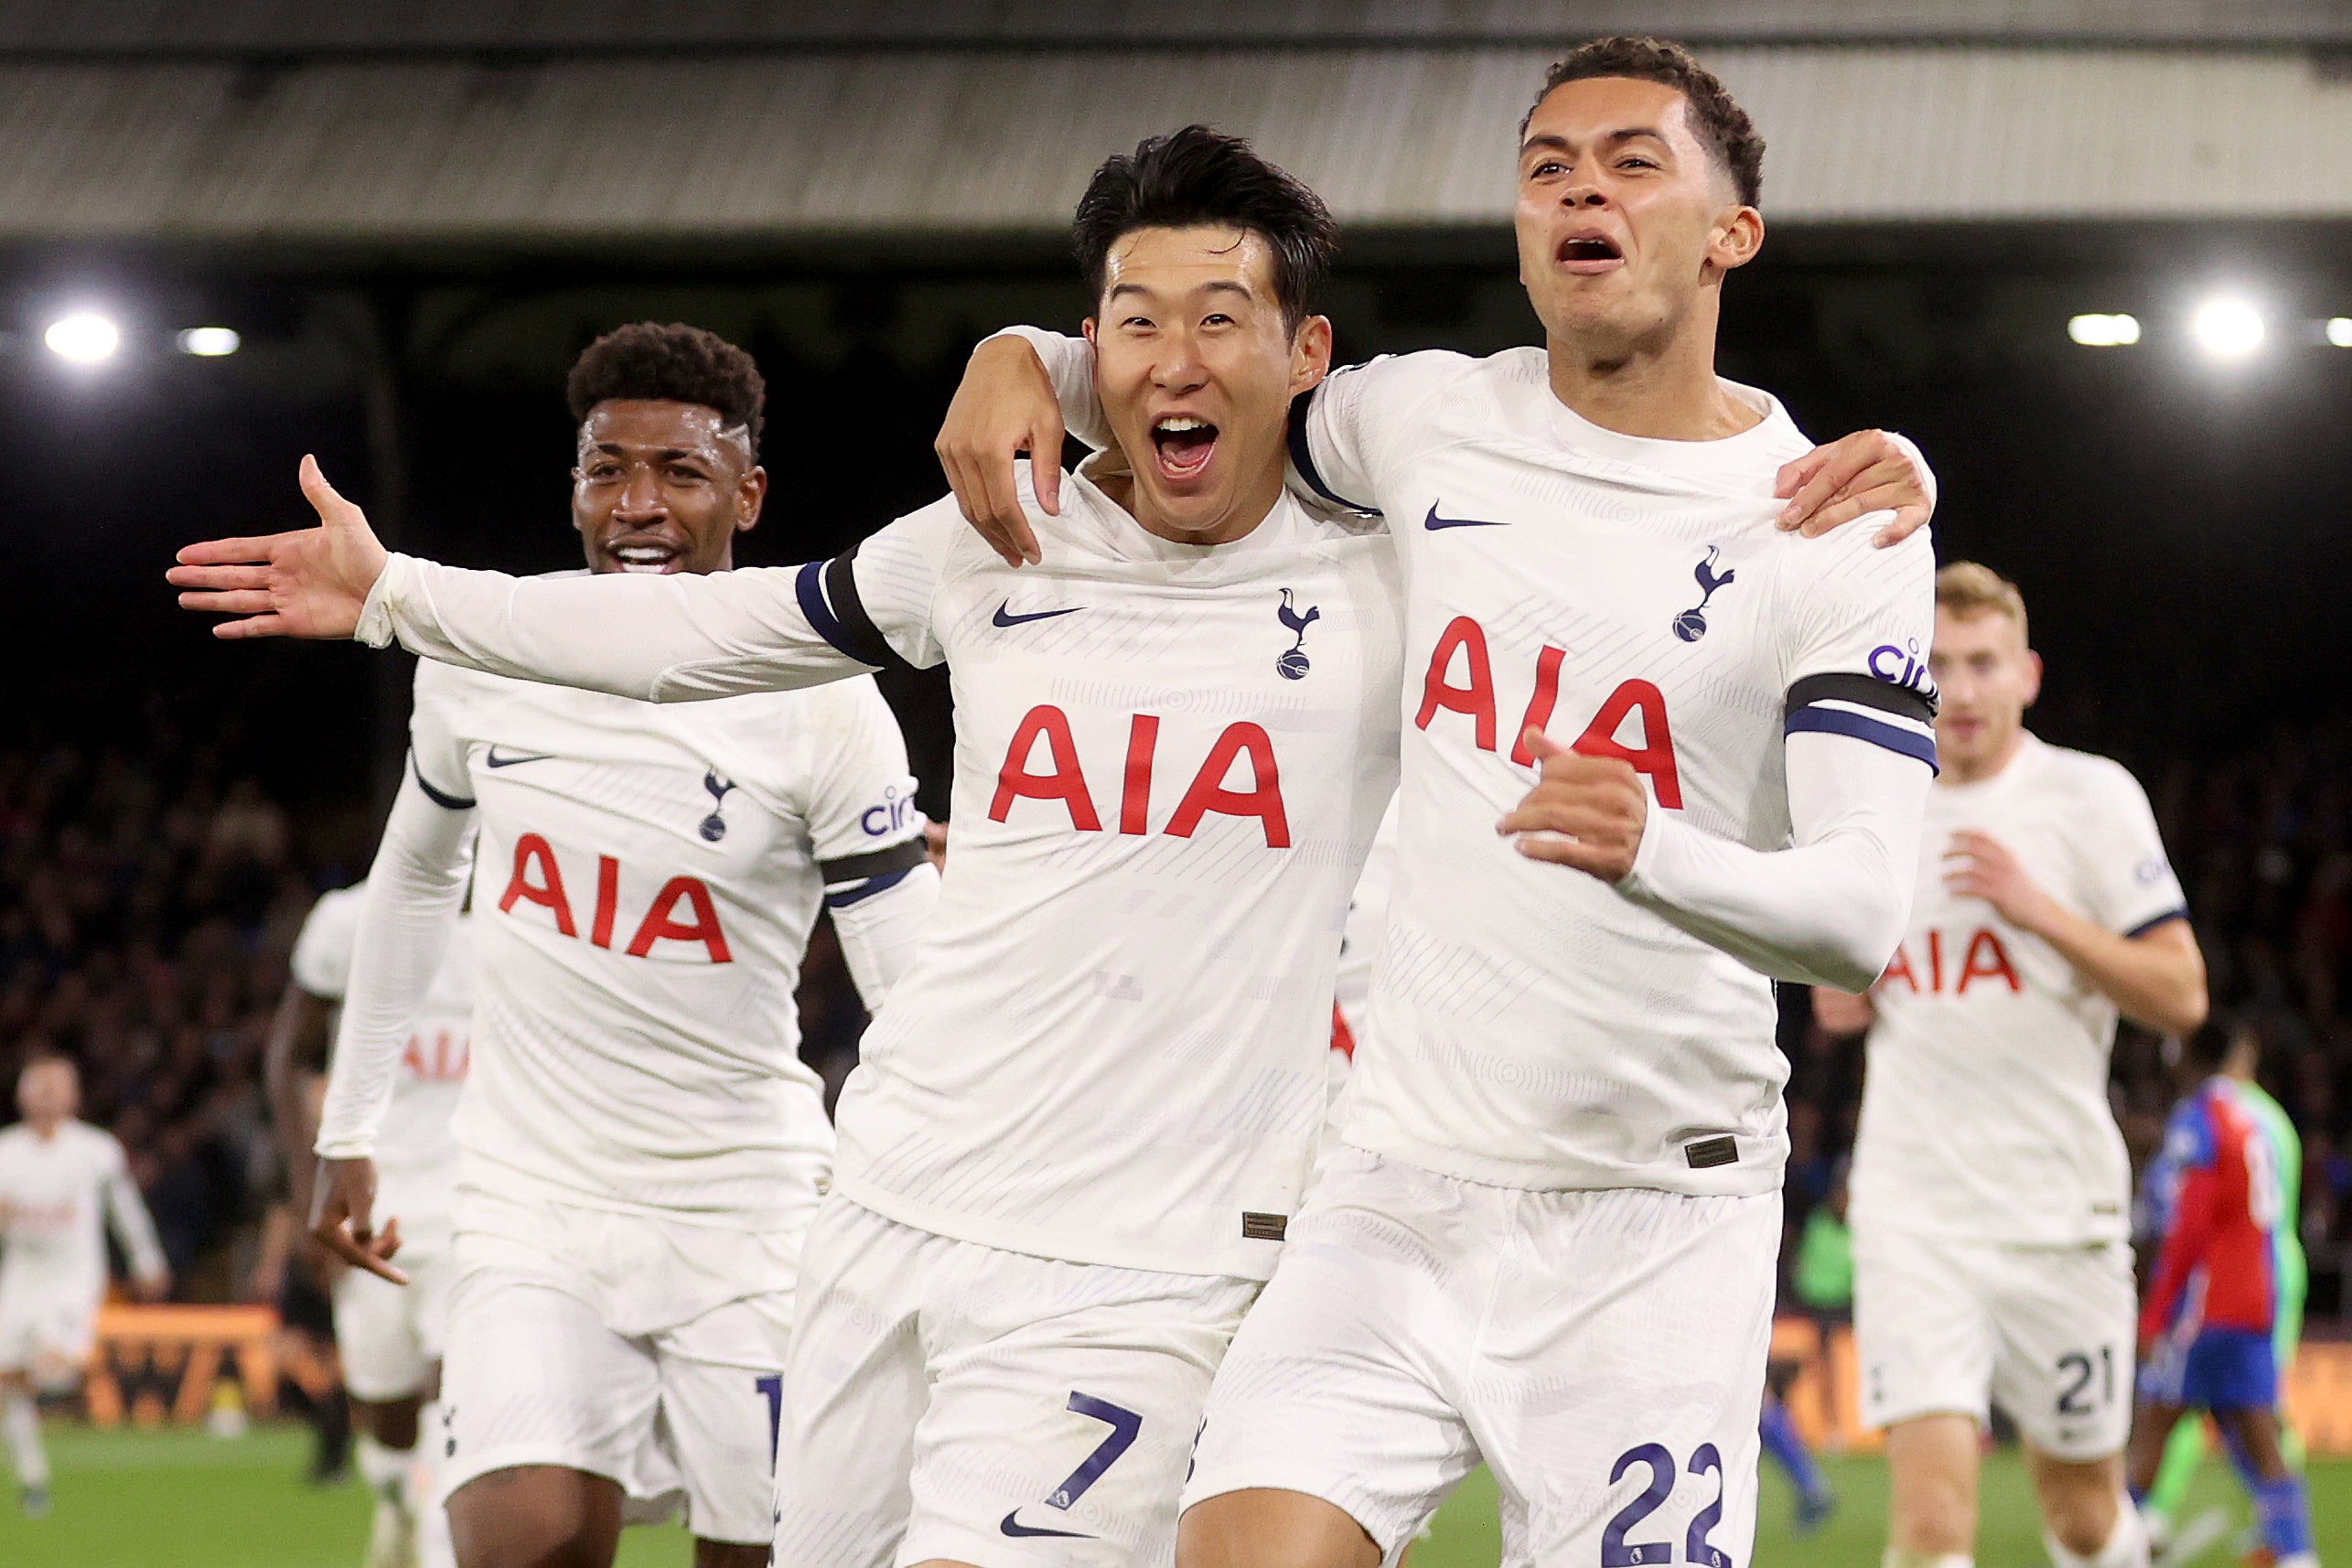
(2104, 331)
(85, 338)
(209, 342)
(2339, 331)
(2226, 329)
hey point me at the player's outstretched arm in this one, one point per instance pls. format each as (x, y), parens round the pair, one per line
(135, 1230)
(308, 583)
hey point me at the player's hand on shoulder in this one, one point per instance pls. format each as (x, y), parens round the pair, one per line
(1005, 406)
(312, 582)
(1584, 813)
(342, 1219)
(1868, 471)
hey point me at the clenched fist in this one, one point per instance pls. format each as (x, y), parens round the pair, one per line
(1586, 813)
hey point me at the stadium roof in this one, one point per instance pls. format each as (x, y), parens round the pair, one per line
(509, 121)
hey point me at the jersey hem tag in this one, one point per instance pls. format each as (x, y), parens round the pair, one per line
(1264, 1227)
(1709, 1153)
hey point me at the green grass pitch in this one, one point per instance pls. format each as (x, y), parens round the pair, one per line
(188, 1501)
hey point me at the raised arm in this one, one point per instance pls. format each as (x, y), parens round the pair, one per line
(659, 638)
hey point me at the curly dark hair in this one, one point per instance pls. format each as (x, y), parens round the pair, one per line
(1200, 176)
(1722, 124)
(676, 363)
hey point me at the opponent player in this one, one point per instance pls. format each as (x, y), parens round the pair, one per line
(61, 1181)
(2190, 1441)
(1991, 1189)
(1051, 1210)
(389, 1337)
(2207, 1330)
(642, 1149)
(1550, 1239)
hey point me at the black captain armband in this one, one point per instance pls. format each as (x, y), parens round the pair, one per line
(853, 877)
(1863, 707)
(828, 594)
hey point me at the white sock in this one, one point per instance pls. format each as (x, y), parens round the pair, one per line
(433, 1547)
(385, 1470)
(2127, 1546)
(20, 1424)
(1894, 1558)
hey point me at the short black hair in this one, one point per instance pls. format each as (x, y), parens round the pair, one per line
(673, 363)
(2206, 1048)
(1200, 176)
(1720, 122)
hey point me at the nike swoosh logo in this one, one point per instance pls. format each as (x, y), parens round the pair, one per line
(513, 759)
(1014, 1527)
(1004, 617)
(1434, 522)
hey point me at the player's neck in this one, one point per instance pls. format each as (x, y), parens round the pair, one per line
(1959, 768)
(1660, 386)
(1253, 504)
(48, 1131)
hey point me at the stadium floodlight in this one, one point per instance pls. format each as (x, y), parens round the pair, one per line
(2228, 328)
(2339, 331)
(209, 342)
(85, 338)
(2104, 331)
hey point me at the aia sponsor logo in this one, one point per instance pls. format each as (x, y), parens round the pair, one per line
(1041, 763)
(682, 911)
(1933, 967)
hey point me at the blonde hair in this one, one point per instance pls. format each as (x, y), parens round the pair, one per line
(1966, 588)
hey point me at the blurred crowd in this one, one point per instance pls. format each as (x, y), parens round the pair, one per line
(151, 889)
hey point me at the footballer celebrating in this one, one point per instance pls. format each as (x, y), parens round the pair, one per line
(642, 1149)
(1991, 1188)
(1085, 1118)
(1654, 757)
(388, 1338)
(61, 1182)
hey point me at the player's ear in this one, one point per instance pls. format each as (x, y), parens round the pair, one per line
(2032, 677)
(1310, 353)
(1085, 329)
(751, 494)
(1738, 236)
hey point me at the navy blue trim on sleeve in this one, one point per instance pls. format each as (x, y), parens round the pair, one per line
(2166, 918)
(1302, 459)
(440, 798)
(1863, 691)
(866, 889)
(1859, 726)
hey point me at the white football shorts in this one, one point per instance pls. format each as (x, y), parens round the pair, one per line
(45, 1324)
(387, 1335)
(647, 1351)
(1602, 1352)
(1952, 1325)
(949, 1399)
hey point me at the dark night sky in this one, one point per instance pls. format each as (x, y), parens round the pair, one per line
(2179, 532)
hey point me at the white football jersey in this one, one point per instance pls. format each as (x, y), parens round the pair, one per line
(55, 1196)
(416, 1149)
(1532, 1027)
(644, 886)
(1984, 1110)
(1367, 924)
(1109, 1045)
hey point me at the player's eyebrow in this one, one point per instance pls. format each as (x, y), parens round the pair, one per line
(1227, 286)
(1551, 142)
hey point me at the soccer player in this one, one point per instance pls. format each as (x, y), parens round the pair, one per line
(61, 1181)
(1991, 1189)
(1085, 1117)
(2190, 1441)
(389, 1337)
(1548, 1240)
(2207, 1330)
(641, 1147)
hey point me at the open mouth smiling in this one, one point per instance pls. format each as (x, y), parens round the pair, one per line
(1184, 445)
